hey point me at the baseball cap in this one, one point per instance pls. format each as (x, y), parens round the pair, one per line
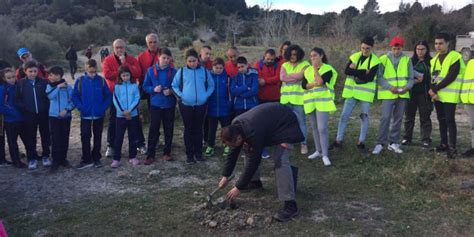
(22, 51)
(397, 41)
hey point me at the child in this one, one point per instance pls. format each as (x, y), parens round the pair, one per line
(218, 108)
(13, 120)
(32, 100)
(126, 100)
(60, 107)
(244, 87)
(92, 97)
(157, 84)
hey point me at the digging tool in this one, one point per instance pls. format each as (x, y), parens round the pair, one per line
(209, 196)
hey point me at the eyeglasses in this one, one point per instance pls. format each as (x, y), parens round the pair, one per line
(365, 48)
(119, 47)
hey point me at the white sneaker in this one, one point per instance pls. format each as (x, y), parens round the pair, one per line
(395, 148)
(326, 161)
(314, 155)
(304, 149)
(46, 161)
(109, 152)
(378, 148)
(33, 164)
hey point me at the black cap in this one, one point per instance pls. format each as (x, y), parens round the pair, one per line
(368, 41)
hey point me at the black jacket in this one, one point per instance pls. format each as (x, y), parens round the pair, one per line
(265, 125)
(31, 99)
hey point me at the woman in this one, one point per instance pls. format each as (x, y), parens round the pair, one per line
(318, 82)
(291, 74)
(193, 85)
(419, 97)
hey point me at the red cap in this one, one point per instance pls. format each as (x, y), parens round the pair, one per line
(397, 41)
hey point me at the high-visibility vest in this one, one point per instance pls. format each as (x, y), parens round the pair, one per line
(292, 92)
(449, 94)
(467, 92)
(397, 78)
(366, 91)
(320, 98)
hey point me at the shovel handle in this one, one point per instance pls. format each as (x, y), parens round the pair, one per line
(218, 188)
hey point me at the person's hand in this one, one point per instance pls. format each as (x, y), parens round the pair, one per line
(394, 90)
(419, 79)
(261, 82)
(233, 193)
(167, 92)
(122, 58)
(403, 90)
(284, 145)
(126, 114)
(157, 89)
(315, 65)
(435, 97)
(62, 85)
(62, 113)
(352, 66)
(223, 182)
(431, 93)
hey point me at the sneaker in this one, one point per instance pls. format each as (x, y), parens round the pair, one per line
(109, 152)
(426, 144)
(32, 164)
(253, 185)
(315, 155)
(395, 148)
(304, 149)
(98, 164)
(406, 142)
(361, 147)
(200, 159)
(84, 165)
(46, 161)
(149, 161)
(326, 161)
(335, 144)
(265, 154)
(142, 150)
(134, 161)
(377, 149)
(209, 152)
(190, 161)
(226, 151)
(442, 148)
(289, 211)
(468, 153)
(115, 164)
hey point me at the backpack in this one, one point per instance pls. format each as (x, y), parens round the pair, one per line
(79, 85)
(261, 63)
(182, 83)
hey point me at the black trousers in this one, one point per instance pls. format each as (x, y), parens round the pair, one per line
(213, 122)
(122, 125)
(447, 122)
(205, 130)
(158, 116)
(193, 118)
(422, 103)
(31, 124)
(60, 129)
(96, 125)
(72, 67)
(13, 131)
(2, 143)
(111, 127)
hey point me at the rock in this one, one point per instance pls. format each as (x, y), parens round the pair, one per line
(250, 221)
(213, 224)
(196, 193)
(268, 220)
(153, 173)
(123, 174)
(467, 184)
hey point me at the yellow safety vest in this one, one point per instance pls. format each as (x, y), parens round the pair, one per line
(320, 98)
(292, 92)
(449, 94)
(467, 92)
(363, 92)
(397, 78)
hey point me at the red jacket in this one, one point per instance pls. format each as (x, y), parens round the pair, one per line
(231, 68)
(147, 59)
(111, 65)
(271, 74)
(207, 64)
(42, 73)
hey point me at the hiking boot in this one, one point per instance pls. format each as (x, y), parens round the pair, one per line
(253, 185)
(326, 161)
(335, 144)
(289, 211)
(98, 164)
(209, 151)
(115, 164)
(265, 154)
(149, 161)
(468, 153)
(315, 155)
(442, 148)
(32, 164)
(82, 165)
(109, 152)
(304, 149)
(134, 161)
(395, 148)
(406, 142)
(226, 151)
(377, 149)
(167, 158)
(142, 150)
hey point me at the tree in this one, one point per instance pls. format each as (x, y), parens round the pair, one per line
(372, 6)
(369, 25)
(9, 39)
(349, 13)
(270, 27)
(234, 26)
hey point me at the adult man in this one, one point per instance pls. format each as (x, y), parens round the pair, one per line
(110, 69)
(467, 98)
(26, 56)
(447, 69)
(231, 64)
(268, 77)
(71, 56)
(205, 57)
(270, 124)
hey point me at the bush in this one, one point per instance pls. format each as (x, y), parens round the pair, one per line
(42, 46)
(184, 42)
(248, 41)
(9, 39)
(137, 39)
(63, 33)
(99, 30)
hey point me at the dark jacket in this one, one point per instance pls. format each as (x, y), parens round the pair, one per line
(71, 55)
(219, 103)
(32, 99)
(7, 104)
(265, 125)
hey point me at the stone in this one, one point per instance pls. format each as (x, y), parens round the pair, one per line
(250, 221)
(213, 224)
(153, 173)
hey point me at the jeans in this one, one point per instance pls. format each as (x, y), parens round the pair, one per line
(319, 123)
(391, 109)
(349, 105)
(299, 112)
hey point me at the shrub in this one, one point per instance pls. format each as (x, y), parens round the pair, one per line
(248, 41)
(42, 46)
(8, 41)
(137, 39)
(184, 42)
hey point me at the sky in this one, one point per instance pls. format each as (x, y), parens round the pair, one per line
(322, 6)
